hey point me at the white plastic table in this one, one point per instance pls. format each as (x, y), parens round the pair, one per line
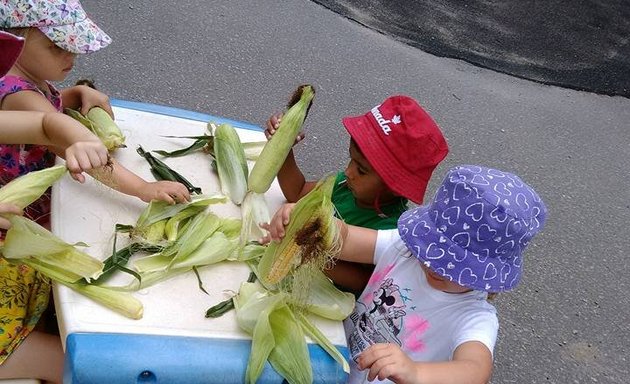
(173, 342)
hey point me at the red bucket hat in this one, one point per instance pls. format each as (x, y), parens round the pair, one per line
(401, 142)
(11, 46)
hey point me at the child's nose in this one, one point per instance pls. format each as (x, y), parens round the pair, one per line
(349, 172)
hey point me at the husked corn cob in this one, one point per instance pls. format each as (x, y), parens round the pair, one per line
(275, 151)
(285, 260)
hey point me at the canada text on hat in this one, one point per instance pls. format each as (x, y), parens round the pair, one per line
(64, 22)
(382, 122)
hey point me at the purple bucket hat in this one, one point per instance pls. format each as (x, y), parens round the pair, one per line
(64, 22)
(476, 228)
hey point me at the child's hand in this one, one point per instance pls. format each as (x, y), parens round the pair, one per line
(388, 361)
(272, 125)
(8, 208)
(90, 98)
(85, 155)
(278, 222)
(170, 191)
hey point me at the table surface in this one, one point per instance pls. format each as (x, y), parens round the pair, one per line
(88, 213)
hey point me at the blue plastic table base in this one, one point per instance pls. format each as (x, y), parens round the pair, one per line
(98, 358)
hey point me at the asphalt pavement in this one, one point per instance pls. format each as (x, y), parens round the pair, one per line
(584, 44)
(568, 320)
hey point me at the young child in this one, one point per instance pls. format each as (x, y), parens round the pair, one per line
(55, 32)
(394, 149)
(39, 355)
(424, 317)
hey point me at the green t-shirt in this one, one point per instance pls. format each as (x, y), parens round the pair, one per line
(348, 211)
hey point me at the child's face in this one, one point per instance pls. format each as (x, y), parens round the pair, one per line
(41, 59)
(366, 185)
(442, 284)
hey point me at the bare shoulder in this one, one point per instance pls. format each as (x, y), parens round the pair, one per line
(27, 100)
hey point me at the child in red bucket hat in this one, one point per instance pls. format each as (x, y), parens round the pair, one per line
(394, 149)
(424, 316)
(24, 351)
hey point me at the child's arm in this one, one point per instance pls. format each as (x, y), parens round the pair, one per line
(358, 243)
(127, 182)
(120, 178)
(472, 363)
(292, 181)
(83, 150)
(84, 98)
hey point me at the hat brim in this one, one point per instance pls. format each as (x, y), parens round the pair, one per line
(11, 47)
(82, 37)
(419, 232)
(386, 166)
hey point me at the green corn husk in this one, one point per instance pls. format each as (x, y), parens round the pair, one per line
(317, 336)
(102, 125)
(160, 210)
(29, 243)
(278, 334)
(277, 148)
(120, 302)
(24, 190)
(231, 163)
(206, 239)
(29, 240)
(214, 249)
(324, 299)
(252, 149)
(161, 171)
(254, 211)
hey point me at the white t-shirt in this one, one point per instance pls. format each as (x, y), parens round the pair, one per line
(399, 306)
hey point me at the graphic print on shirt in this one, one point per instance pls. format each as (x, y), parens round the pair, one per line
(381, 322)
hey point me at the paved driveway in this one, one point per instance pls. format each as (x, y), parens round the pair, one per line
(568, 321)
(582, 44)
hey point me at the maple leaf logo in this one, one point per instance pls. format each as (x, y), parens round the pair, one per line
(396, 119)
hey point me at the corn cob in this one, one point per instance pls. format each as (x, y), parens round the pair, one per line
(275, 151)
(231, 163)
(311, 237)
(102, 125)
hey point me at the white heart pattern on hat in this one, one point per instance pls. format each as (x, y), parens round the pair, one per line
(488, 213)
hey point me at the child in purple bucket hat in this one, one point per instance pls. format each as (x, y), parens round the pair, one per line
(424, 315)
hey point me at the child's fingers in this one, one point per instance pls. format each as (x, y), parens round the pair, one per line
(286, 213)
(78, 176)
(10, 208)
(4, 223)
(267, 237)
(72, 163)
(108, 108)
